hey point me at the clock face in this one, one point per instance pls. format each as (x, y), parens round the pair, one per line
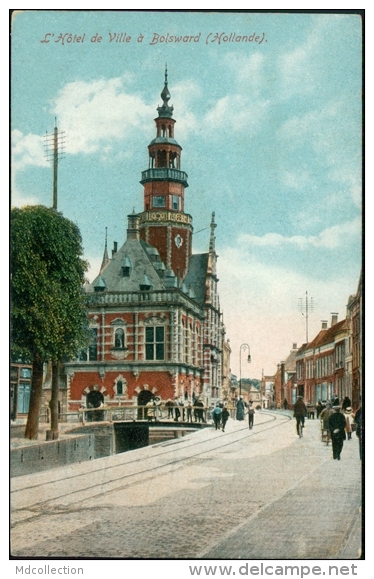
(178, 241)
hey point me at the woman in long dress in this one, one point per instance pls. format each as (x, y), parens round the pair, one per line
(240, 408)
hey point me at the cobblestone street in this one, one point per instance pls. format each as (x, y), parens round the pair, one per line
(259, 494)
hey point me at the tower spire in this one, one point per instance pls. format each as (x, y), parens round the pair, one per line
(106, 259)
(212, 241)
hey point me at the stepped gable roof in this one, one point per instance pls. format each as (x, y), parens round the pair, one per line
(196, 276)
(327, 336)
(136, 252)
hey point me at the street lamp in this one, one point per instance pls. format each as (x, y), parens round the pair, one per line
(242, 347)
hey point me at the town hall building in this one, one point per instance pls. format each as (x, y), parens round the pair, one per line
(154, 310)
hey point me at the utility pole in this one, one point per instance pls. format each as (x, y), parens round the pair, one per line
(54, 150)
(306, 305)
(54, 146)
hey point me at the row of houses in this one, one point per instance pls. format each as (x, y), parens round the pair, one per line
(328, 366)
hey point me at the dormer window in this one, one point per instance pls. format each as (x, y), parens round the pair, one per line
(99, 285)
(145, 284)
(126, 267)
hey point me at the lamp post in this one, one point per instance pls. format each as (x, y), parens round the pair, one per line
(242, 347)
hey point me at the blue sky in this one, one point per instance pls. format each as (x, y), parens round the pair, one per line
(271, 138)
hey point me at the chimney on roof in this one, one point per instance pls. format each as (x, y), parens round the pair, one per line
(115, 248)
(334, 318)
(324, 324)
(133, 226)
(294, 346)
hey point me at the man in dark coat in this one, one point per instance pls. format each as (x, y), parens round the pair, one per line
(224, 417)
(299, 412)
(251, 412)
(337, 431)
(217, 416)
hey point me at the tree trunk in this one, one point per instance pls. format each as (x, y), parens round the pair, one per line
(32, 425)
(54, 400)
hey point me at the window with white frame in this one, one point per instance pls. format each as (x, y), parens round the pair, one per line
(155, 343)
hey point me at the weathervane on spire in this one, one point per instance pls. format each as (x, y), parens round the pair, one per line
(165, 110)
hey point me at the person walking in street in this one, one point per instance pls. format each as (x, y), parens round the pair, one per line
(285, 404)
(299, 412)
(224, 417)
(216, 413)
(337, 431)
(335, 400)
(324, 417)
(189, 412)
(346, 403)
(319, 407)
(359, 429)
(240, 409)
(349, 421)
(251, 412)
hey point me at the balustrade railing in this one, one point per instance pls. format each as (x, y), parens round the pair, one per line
(143, 413)
(162, 173)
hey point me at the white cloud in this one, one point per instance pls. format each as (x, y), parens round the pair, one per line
(95, 113)
(27, 150)
(300, 68)
(250, 72)
(297, 178)
(334, 145)
(19, 199)
(93, 267)
(185, 94)
(236, 112)
(331, 238)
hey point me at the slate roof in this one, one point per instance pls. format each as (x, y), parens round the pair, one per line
(135, 251)
(196, 276)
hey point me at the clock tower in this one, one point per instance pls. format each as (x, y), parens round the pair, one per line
(163, 223)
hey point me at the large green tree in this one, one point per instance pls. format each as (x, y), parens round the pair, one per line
(48, 306)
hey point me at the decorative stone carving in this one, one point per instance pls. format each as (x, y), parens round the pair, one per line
(154, 321)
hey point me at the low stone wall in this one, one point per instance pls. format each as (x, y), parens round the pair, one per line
(90, 441)
(52, 454)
